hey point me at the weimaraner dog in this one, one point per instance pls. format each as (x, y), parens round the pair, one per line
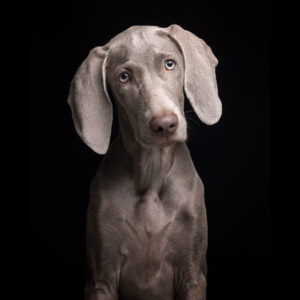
(146, 223)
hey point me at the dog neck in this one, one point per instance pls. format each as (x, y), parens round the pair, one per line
(149, 166)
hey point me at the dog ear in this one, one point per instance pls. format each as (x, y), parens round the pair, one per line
(90, 104)
(199, 79)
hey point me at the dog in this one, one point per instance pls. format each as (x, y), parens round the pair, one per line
(146, 222)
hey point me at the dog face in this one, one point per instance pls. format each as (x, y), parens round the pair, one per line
(145, 74)
(146, 69)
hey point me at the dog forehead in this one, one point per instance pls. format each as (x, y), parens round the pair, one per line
(140, 42)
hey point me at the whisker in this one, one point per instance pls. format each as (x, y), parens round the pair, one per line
(191, 130)
(193, 121)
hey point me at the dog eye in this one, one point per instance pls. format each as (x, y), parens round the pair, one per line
(124, 77)
(170, 64)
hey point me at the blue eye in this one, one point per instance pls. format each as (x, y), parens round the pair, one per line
(170, 64)
(124, 77)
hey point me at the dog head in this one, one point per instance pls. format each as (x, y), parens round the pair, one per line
(146, 69)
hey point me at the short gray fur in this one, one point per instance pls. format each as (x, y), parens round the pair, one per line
(146, 223)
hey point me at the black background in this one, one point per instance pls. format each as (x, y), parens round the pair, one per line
(231, 157)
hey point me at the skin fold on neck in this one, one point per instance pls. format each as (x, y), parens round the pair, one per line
(149, 166)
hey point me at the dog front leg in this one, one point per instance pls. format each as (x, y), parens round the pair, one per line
(192, 290)
(99, 291)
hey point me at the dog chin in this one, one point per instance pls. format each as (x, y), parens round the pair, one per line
(168, 141)
(162, 141)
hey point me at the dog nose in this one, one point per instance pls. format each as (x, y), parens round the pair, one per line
(165, 124)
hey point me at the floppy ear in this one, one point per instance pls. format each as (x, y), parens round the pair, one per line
(199, 79)
(90, 104)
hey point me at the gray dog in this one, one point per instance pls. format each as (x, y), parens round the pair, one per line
(146, 223)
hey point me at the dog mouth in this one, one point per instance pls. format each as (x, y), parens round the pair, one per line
(160, 141)
(168, 141)
(148, 139)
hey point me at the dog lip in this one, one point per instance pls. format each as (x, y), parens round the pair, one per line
(160, 141)
(167, 141)
(177, 139)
